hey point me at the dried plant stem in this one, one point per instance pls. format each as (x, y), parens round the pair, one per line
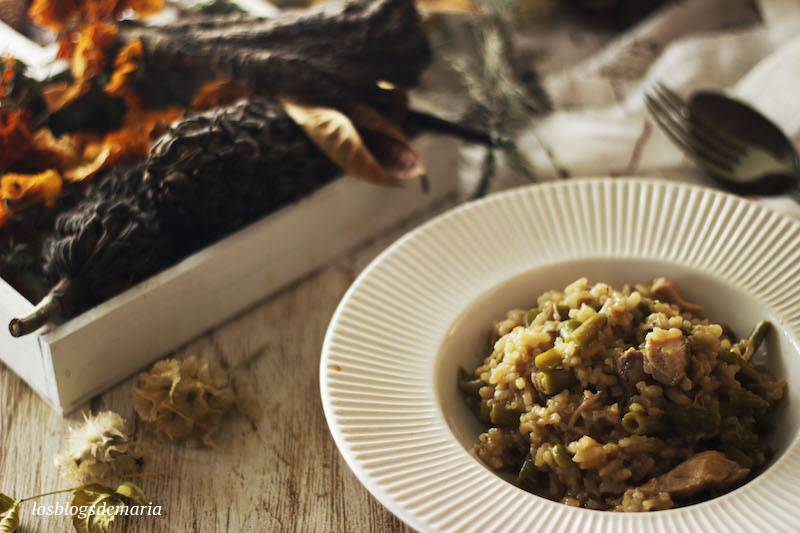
(44, 312)
(141, 474)
(418, 120)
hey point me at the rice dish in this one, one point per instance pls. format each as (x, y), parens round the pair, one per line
(624, 400)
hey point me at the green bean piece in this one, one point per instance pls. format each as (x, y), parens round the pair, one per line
(586, 332)
(735, 454)
(642, 424)
(467, 385)
(645, 306)
(562, 457)
(554, 381)
(759, 333)
(563, 311)
(747, 373)
(529, 475)
(500, 415)
(745, 399)
(531, 315)
(567, 327)
(549, 360)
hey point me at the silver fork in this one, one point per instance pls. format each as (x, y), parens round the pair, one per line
(733, 161)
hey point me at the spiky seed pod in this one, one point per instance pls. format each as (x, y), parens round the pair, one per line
(98, 447)
(218, 170)
(186, 400)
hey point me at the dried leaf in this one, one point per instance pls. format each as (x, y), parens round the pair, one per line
(101, 505)
(6, 503)
(387, 143)
(339, 138)
(132, 491)
(10, 519)
(218, 93)
(446, 6)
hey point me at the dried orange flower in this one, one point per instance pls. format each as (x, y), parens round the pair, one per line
(125, 64)
(97, 448)
(9, 65)
(129, 144)
(20, 190)
(53, 14)
(90, 56)
(57, 14)
(58, 95)
(15, 136)
(186, 400)
(59, 154)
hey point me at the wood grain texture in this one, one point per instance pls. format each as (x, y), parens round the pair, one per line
(282, 474)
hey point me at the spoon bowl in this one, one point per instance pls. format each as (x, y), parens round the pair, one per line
(770, 164)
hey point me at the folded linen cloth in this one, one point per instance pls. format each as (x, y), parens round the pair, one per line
(600, 125)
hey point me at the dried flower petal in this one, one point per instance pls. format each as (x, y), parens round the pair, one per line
(90, 56)
(15, 136)
(97, 448)
(21, 190)
(218, 93)
(56, 14)
(53, 14)
(59, 154)
(58, 95)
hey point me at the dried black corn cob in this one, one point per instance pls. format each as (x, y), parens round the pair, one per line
(329, 53)
(216, 171)
(210, 174)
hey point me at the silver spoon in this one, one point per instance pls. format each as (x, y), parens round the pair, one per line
(732, 142)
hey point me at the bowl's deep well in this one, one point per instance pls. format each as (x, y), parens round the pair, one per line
(466, 341)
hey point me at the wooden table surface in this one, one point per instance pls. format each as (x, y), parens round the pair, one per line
(282, 474)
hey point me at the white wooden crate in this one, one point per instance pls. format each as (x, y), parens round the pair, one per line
(72, 362)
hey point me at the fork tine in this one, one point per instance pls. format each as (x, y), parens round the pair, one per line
(679, 135)
(701, 131)
(711, 133)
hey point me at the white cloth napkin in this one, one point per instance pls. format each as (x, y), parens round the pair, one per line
(600, 125)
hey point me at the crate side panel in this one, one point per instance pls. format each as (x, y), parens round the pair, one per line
(108, 343)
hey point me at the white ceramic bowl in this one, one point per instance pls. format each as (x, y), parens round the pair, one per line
(423, 308)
